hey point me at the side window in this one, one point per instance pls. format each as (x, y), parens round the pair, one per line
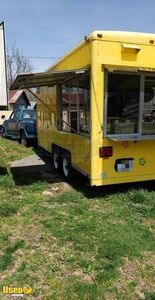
(148, 123)
(84, 106)
(70, 107)
(29, 114)
(123, 103)
(65, 108)
(38, 90)
(75, 105)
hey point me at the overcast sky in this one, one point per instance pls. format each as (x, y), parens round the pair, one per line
(49, 28)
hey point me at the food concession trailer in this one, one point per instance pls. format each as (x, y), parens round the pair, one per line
(96, 108)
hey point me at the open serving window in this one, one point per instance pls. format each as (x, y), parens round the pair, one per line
(129, 105)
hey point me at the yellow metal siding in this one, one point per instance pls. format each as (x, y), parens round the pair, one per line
(96, 111)
(77, 59)
(110, 53)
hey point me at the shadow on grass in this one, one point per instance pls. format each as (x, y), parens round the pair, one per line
(81, 184)
(3, 171)
(26, 175)
(38, 168)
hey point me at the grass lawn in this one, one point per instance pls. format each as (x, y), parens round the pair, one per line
(74, 242)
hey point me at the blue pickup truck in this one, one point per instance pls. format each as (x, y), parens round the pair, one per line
(21, 125)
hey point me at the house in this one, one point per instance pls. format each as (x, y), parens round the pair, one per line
(18, 99)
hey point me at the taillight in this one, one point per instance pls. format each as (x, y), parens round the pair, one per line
(105, 151)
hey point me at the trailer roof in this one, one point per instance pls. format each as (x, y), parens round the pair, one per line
(111, 36)
(123, 36)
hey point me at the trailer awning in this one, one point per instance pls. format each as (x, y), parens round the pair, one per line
(33, 80)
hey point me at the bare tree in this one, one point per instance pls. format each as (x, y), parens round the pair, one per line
(16, 63)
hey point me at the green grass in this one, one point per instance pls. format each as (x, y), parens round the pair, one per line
(7, 258)
(82, 243)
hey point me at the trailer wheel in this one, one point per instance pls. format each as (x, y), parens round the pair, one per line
(56, 161)
(66, 166)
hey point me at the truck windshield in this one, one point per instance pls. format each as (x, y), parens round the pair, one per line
(29, 114)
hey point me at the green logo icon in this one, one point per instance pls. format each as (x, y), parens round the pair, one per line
(142, 161)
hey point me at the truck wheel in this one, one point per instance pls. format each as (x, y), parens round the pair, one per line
(23, 139)
(66, 166)
(3, 134)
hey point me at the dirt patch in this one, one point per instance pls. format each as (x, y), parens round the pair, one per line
(87, 278)
(109, 296)
(136, 277)
(57, 188)
(121, 222)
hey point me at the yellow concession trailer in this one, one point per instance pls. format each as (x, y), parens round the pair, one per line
(96, 108)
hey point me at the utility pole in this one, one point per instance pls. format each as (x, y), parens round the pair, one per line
(3, 73)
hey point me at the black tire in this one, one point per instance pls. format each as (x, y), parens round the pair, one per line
(3, 133)
(66, 166)
(56, 160)
(23, 139)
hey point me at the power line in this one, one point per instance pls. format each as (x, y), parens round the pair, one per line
(36, 57)
(43, 57)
